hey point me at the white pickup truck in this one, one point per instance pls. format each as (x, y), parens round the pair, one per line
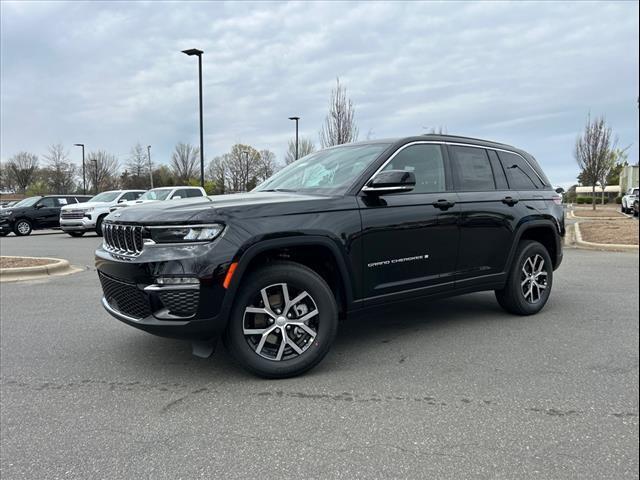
(627, 201)
(77, 219)
(161, 194)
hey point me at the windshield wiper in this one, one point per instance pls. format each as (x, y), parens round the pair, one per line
(278, 190)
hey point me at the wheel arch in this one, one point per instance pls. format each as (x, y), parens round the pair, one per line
(311, 251)
(542, 231)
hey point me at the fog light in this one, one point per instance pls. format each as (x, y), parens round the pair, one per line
(177, 281)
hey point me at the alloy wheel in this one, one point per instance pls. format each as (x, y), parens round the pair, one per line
(533, 278)
(281, 323)
(23, 228)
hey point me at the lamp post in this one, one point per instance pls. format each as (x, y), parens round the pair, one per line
(84, 180)
(95, 173)
(192, 52)
(297, 119)
(150, 171)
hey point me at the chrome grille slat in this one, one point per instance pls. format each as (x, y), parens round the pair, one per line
(123, 240)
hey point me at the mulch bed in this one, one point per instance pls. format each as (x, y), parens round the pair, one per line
(611, 232)
(9, 262)
(605, 212)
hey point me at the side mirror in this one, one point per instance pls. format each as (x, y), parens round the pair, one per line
(560, 190)
(122, 200)
(390, 181)
(176, 197)
(38, 206)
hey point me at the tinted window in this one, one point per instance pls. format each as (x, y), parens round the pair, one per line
(182, 193)
(48, 202)
(131, 196)
(472, 169)
(498, 172)
(426, 163)
(194, 192)
(519, 173)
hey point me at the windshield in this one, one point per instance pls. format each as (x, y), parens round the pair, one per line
(105, 197)
(27, 202)
(157, 194)
(328, 171)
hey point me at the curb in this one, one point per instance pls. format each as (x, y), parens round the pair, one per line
(57, 266)
(612, 247)
(571, 214)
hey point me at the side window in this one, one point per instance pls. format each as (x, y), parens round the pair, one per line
(498, 172)
(519, 173)
(472, 169)
(194, 192)
(62, 201)
(427, 164)
(48, 202)
(179, 193)
(130, 196)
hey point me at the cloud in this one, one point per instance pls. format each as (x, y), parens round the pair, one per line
(111, 74)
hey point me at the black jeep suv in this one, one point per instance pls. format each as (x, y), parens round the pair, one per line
(344, 229)
(35, 213)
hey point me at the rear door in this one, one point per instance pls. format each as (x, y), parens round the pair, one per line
(410, 240)
(486, 214)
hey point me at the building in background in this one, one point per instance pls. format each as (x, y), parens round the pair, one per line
(610, 192)
(628, 178)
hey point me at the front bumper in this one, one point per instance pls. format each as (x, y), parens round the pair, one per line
(5, 226)
(77, 224)
(197, 312)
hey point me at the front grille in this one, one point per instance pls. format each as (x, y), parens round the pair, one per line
(122, 239)
(182, 303)
(124, 297)
(72, 214)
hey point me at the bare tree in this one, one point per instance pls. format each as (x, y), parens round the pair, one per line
(184, 161)
(243, 167)
(218, 172)
(60, 172)
(339, 124)
(593, 153)
(266, 165)
(305, 147)
(22, 168)
(102, 170)
(137, 167)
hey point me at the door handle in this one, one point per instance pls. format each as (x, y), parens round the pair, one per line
(510, 201)
(443, 204)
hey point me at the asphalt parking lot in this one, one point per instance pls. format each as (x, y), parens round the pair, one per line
(450, 389)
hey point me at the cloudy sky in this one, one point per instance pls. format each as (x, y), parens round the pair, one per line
(112, 74)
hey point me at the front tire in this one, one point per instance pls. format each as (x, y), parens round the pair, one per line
(530, 279)
(22, 228)
(99, 225)
(283, 321)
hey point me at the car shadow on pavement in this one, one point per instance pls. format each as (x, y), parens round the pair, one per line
(364, 334)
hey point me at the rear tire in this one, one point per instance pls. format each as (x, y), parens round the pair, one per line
(22, 228)
(529, 282)
(75, 234)
(282, 338)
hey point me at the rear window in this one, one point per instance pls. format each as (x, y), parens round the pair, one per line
(519, 174)
(472, 169)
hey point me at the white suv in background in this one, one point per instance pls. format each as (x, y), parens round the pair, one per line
(86, 217)
(628, 199)
(161, 194)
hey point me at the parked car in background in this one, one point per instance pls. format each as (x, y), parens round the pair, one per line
(35, 213)
(8, 204)
(627, 201)
(76, 220)
(163, 193)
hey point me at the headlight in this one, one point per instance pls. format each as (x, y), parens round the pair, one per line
(6, 214)
(185, 233)
(88, 209)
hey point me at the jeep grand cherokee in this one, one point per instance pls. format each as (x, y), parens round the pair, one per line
(341, 230)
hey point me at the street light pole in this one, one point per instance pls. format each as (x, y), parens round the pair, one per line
(297, 119)
(191, 52)
(84, 180)
(150, 171)
(95, 172)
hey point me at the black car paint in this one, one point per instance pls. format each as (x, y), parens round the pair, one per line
(40, 217)
(456, 242)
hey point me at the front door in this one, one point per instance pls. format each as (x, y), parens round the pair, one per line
(410, 240)
(47, 213)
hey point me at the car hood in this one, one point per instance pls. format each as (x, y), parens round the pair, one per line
(221, 207)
